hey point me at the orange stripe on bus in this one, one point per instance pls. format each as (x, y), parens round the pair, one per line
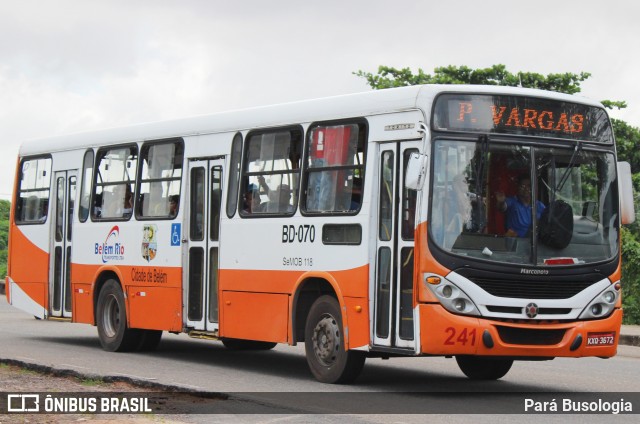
(426, 264)
(30, 268)
(351, 283)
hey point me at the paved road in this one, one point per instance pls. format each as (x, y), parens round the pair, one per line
(280, 375)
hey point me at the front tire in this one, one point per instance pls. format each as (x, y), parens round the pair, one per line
(111, 319)
(483, 368)
(328, 360)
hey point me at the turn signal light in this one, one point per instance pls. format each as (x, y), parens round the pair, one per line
(433, 280)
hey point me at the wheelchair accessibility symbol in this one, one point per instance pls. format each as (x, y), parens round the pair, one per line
(175, 234)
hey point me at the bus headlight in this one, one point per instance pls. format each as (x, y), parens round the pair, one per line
(459, 304)
(609, 296)
(453, 299)
(447, 291)
(602, 305)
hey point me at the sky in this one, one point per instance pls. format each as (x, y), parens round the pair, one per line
(68, 66)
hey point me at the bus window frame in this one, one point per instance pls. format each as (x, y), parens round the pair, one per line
(95, 184)
(244, 175)
(234, 203)
(178, 141)
(362, 124)
(86, 182)
(19, 190)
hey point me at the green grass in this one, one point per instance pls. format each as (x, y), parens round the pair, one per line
(91, 382)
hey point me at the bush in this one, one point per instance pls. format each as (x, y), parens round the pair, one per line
(630, 277)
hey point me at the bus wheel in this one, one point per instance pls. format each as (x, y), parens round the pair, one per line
(149, 340)
(111, 319)
(483, 368)
(328, 360)
(240, 344)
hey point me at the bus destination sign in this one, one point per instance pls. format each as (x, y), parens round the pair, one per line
(522, 116)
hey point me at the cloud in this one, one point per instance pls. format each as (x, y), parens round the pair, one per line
(73, 65)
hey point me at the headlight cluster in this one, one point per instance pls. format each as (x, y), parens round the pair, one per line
(603, 304)
(450, 296)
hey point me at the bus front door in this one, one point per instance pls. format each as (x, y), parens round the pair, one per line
(61, 227)
(205, 200)
(394, 323)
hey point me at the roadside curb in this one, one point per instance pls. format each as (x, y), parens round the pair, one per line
(236, 402)
(137, 382)
(629, 340)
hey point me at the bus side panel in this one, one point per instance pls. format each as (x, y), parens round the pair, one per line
(29, 266)
(160, 308)
(82, 285)
(357, 321)
(252, 280)
(155, 308)
(82, 303)
(352, 282)
(254, 316)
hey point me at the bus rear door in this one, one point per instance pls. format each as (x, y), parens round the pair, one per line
(205, 200)
(60, 277)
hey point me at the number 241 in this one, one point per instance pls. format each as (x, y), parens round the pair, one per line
(464, 337)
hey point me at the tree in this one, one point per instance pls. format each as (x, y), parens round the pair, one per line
(388, 77)
(4, 235)
(5, 207)
(630, 273)
(628, 139)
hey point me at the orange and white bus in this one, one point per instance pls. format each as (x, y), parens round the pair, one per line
(468, 221)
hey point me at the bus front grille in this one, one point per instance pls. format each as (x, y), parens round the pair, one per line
(530, 336)
(531, 290)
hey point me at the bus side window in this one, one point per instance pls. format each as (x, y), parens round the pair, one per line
(234, 177)
(33, 194)
(159, 179)
(85, 189)
(115, 178)
(271, 172)
(335, 168)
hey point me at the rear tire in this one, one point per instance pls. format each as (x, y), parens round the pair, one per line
(240, 344)
(483, 368)
(111, 319)
(324, 344)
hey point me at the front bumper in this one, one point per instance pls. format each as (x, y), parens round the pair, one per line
(443, 333)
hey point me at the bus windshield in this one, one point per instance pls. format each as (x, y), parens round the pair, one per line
(489, 199)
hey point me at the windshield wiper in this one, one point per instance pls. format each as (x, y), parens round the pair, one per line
(567, 171)
(572, 162)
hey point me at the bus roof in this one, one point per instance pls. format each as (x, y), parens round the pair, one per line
(352, 105)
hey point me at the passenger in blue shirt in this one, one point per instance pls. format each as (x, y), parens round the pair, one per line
(518, 208)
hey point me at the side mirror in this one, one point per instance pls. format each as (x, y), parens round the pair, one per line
(415, 172)
(625, 187)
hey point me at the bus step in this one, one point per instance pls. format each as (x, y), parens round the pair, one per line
(59, 319)
(206, 335)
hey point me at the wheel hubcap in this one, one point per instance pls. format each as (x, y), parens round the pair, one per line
(111, 316)
(326, 340)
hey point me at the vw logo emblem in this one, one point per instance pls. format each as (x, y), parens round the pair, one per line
(531, 310)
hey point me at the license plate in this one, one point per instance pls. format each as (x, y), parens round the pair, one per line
(601, 339)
